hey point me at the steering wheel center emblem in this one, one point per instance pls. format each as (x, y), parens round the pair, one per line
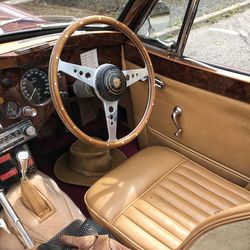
(117, 83)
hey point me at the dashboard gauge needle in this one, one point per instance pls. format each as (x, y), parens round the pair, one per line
(34, 91)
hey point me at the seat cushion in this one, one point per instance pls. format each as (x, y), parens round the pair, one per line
(155, 199)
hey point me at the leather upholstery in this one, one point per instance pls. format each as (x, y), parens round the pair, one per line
(40, 230)
(158, 197)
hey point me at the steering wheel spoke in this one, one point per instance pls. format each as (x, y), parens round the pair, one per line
(134, 75)
(82, 73)
(111, 114)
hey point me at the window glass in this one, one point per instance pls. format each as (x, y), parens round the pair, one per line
(18, 15)
(165, 20)
(221, 34)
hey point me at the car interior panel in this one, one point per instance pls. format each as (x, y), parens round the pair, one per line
(112, 136)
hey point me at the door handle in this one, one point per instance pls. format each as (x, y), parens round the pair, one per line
(158, 83)
(177, 112)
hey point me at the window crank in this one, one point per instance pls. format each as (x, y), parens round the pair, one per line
(177, 112)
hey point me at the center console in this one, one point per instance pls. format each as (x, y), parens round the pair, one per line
(15, 135)
(13, 140)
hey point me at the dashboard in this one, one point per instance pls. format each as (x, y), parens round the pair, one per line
(25, 94)
(24, 83)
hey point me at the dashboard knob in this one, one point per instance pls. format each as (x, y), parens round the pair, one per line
(6, 82)
(28, 111)
(30, 131)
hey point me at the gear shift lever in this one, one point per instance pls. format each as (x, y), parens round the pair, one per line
(30, 195)
(23, 157)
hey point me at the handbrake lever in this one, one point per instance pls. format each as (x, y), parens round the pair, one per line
(15, 220)
(4, 226)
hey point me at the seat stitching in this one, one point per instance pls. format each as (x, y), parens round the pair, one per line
(206, 188)
(176, 222)
(171, 234)
(189, 204)
(219, 184)
(133, 221)
(176, 208)
(146, 191)
(185, 200)
(194, 194)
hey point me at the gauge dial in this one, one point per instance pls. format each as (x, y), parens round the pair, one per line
(35, 87)
(12, 110)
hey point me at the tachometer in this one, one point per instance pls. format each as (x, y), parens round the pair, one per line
(34, 87)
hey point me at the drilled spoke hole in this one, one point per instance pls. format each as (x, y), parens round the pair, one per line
(88, 75)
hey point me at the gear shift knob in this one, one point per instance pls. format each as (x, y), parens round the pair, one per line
(23, 157)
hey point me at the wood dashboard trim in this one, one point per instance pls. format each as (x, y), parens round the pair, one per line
(32, 47)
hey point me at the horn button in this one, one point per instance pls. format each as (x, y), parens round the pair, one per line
(110, 82)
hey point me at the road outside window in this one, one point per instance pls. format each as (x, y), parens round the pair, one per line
(221, 34)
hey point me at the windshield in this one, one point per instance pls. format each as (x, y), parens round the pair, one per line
(20, 15)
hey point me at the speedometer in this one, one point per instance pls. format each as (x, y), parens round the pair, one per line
(34, 87)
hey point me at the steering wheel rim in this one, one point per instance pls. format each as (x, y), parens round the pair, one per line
(54, 87)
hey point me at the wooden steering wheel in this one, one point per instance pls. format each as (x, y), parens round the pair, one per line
(108, 82)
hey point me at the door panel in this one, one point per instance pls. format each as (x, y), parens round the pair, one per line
(216, 129)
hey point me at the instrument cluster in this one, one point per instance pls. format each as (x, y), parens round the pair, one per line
(25, 94)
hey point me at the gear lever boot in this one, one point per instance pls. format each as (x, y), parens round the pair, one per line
(31, 196)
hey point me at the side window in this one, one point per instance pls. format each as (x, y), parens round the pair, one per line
(164, 21)
(220, 34)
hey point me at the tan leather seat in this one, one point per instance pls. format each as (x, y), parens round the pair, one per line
(157, 198)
